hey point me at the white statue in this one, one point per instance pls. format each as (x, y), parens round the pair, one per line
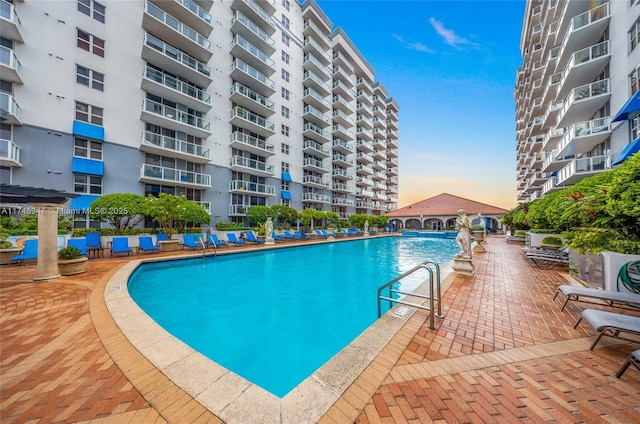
(463, 238)
(268, 227)
(366, 227)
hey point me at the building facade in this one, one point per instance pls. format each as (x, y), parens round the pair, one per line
(580, 70)
(232, 104)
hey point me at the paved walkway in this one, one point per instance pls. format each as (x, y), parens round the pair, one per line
(503, 353)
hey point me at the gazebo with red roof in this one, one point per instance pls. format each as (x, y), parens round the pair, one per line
(440, 213)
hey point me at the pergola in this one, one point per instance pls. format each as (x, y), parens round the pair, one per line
(46, 203)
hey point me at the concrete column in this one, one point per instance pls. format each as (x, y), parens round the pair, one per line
(47, 241)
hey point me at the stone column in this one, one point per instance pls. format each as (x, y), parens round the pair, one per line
(47, 241)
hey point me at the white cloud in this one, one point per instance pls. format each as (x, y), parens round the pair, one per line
(413, 45)
(449, 36)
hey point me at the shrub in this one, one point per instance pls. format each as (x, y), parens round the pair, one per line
(477, 227)
(229, 226)
(521, 233)
(555, 241)
(68, 253)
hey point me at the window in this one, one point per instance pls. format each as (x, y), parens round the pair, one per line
(634, 126)
(285, 93)
(285, 57)
(286, 4)
(285, 39)
(634, 35)
(82, 220)
(92, 8)
(284, 167)
(84, 148)
(285, 75)
(90, 78)
(284, 185)
(285, 21)
(284, 130)
(284, 148)
(635, 80)
(286, 202)
(90, 43)
(88, 113)
(285, 111)
(87, 184)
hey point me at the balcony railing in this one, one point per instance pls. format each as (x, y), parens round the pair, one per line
(317, 113)
(311, 41)
(586, 55)
(239, 64)
(340, 143)
(313, 93)
(584, 92)
(313, 127)
(253, 50)
(177, 55)
(343, 130)
(315, 163)
(310, 144)
(314, 197)
(310, 75)
(8, 12)
(205, 205)
(338, 113)
(583, 129)
(584, 166)
(9, 59)
(342, 201)
(175, 84)
(238, 209)
(239, 185)
(256, 97)
(341, 172)
(312, 179)
(258, 10)
(252, 141)
(196, 10)
(175, 114)
(175, 145)
(174, 23)
(8, 103)
(251, 163)
(177, 175)
(252, 117)
(9, 151)
(238, 16)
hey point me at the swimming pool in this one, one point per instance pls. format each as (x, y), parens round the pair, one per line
(275, 315)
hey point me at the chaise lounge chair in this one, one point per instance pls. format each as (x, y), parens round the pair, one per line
(320, 234)
(288, 236)
(190, 241)
(610, 297)
(81, 244)
(120, 245)
(276, 237)
(633, 359)
(214, 241)
(610, 324)
(302, 236)
(231, 237)
(145, 243)
(29, 251)
(251, 238)
(547, 258)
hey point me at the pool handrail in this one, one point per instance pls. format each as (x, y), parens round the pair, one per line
(427, 265)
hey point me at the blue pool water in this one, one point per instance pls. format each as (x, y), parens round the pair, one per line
(276, 315)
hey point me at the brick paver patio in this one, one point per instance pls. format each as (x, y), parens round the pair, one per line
(503, 353)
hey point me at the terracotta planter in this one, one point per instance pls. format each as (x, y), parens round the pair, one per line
(8, 253)
(72, 266)
(478, 235)
(169, 245)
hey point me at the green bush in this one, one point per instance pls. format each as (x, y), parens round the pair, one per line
(521, 233)
(68, 253)
(555, 241)
(542, 231)
(477, 227)
(229, 226)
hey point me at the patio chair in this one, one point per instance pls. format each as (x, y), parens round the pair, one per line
(301, 236)
(120, 245)
(610, 297)
(214, 241)
(276, 237)
(610, 324)
(232, 239)
(320, 234)
(251, 238)
(93, 244)
(340, 234)
(287, 235)
(547, 258)
(29, 251)
(81, 244)
(145, 243)
(633, 359)
(161, 237)
(190, 241)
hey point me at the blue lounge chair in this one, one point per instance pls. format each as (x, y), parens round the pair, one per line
(277, 237)
(29, 251)
(355, 232)
(302, 236)
(231, 237)
(214, 241)
(345, 232)
(120, 245)
(162, 237)
(252, 238)
(81, 244)
(288, 236)
(340, 234)
(93, 244)
(190, 241)
(145, 243)
(320, 234)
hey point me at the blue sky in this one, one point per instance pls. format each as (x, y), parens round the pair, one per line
(451, 67)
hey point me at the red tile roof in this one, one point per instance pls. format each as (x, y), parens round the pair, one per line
(446, 204)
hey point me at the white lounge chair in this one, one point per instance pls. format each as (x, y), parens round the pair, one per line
(610, 324)
(611, 298)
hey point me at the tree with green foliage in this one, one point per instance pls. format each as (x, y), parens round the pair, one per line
(310, 216)
(194, 215)
(172, 212)
(285, 214)
(29, 222)
(259, 214)
(120, 210)
(333, 219)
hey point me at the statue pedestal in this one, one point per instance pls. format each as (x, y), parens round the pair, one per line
(331, 238)
(269, 241)
(463, 265)
(366, 234)
(479, 248)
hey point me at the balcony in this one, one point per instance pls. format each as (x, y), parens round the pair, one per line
(364, 204)
(311, 29)
(339, 117)
(315, 165)
(153, 174)
(362, 192)
(165, 116)
(392, 170)
(246, 97)
(316, 133)
(238, 210)
(205, 205)
(364, 170)
(380, 155)
(343, 132)
(585, 30)
(242, 187)
(550, 186)
(341, 60)
(250, 166)
(364, 145)
(341, 174)
(364, 134)
(581, 168)
(316, 198)
(584, 136)
(313, 98)
(364, 158)
(380, 136)
(251, 32)
(364, 121)
(251, 77)
(341, 89)
(315, 149)
(342, 146)
(312, 46)
(251, 144)
(341, 74)
(342, 104)
(245, 118)
(310, 63)
(364, 181)
(168, 146)
(311, 114)
(10, 67)
(340, 187)
(9, 110)
(585, 65)
(551, 113)
(340, 201)
(341, 160)
(392, 135)
(9, 154)
(10, 25)
(257, 14)
(553, 136)
(189, 12)
(248, 53)
(583, 102)
(175, 61)
(159, 23)
(175, 90)
(315, 181)
(309, 79)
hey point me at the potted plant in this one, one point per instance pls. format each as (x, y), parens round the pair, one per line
(7, 249)
(70, 261)
(478, 232)
(551, 242)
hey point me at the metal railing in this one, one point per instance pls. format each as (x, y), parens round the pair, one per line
(429, 266)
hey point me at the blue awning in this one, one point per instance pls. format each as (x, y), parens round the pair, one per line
(286, 176)
(630, 150)
(632, 105)
(285, 195)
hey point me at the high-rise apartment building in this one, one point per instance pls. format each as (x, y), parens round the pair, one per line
(230, 103)
(574, 92)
